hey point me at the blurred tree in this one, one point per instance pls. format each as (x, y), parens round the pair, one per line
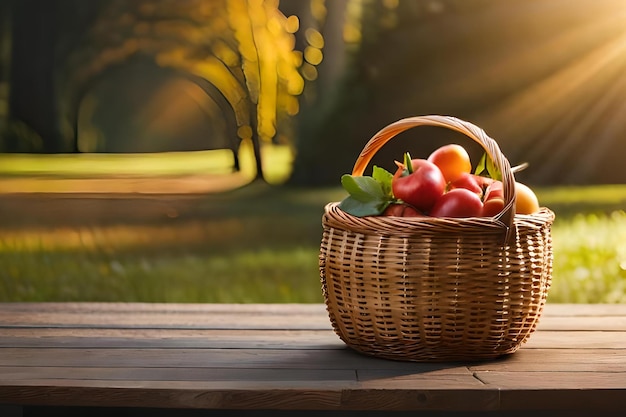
(336, 99)
(239, 52)
(40, 38)
(32, 95)
(5, 64)
(242, 50)
(545, 78)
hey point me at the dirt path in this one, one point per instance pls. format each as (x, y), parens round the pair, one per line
(189, 184)
(54, 202)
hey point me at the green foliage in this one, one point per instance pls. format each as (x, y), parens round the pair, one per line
(94, 165)
(590, 259)
(264, 275)
(368, 196)
(245, 50)
(487, 168)
(17, 136)
(251, 245)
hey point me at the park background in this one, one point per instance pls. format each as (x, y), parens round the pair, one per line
(183, 150)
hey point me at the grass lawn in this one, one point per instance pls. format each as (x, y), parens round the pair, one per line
(254, 244)
(92, 164)
(60, 171)
(257, 244)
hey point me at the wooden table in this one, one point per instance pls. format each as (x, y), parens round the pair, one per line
(224, 359)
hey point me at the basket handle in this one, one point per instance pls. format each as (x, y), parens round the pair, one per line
(507, 214)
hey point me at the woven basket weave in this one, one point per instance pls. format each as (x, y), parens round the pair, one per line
(436, 289)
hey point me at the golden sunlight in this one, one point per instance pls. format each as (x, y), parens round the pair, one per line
(574, 83)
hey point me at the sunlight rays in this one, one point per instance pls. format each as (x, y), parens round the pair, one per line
(557, 91)
(532, 55)
(563, 108)
(589, 74)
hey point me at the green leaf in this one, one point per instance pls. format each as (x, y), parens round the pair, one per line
(384, 178)
(487, 168)
(408, 164)
(369, 196)
(363, 189)
(360, 209)
(481, 167)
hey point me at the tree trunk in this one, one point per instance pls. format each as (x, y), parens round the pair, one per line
(256, 142)
(5, 62)
(33, 94)
(319, 135)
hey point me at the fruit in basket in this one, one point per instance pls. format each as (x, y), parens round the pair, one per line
(526, 201)
(495, 189)
(401, 210)
(469, 182)
(453, 161)
(492, 207)
(459, 202)
(419, 188)
(493, 198)
(418, 182)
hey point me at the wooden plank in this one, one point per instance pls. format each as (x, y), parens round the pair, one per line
(403, 399)
(200, 373)
(300, 394)
(453, 378)
(557, 360)
(564, 380)
(171, 394)
(266, 339)
(576, 340)
(276, 309)
(97, 333)
(200, 308)
(565, 402)
(249, 316)
(593, 391)
(163, 315)
(176, 386)
(282, 357)
(159, 320)
(550, 309)
(578, 310)
(274, 379)
(304, 395)
(237, 358)
(209, 358)
(218, 339)
(600, 323)
(368, 377)
(159, 338)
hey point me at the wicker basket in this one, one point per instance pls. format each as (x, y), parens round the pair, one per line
(436, 289)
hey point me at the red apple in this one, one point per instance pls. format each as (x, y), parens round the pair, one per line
(468, 181)
(401, 210)
(422, 187)
(459, 202)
